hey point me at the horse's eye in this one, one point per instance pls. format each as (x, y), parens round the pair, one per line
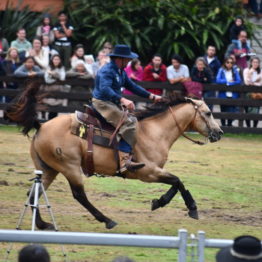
(208, 113)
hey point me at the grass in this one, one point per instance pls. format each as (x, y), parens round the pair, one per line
(224, 178)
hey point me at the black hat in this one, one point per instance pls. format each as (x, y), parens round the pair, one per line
(245, 248)
(123, 51)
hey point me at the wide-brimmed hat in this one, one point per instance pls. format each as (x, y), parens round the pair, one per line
(244, 248)
(123, 51)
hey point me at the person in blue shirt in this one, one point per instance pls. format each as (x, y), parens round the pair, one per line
(108, 101)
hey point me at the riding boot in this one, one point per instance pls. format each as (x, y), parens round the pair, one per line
(126, 164)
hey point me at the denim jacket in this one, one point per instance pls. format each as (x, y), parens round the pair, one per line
(109, 81)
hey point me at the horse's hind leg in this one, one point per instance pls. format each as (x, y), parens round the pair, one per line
(167, 197)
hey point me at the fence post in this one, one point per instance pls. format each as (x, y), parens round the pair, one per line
(201, 246)
(182, 249)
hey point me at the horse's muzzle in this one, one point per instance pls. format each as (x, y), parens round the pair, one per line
(215, 135)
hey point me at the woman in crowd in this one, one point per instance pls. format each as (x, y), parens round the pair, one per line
(253, 77)
(41, 58)
(47, 47)
(228, 75)
(201, 72)
(101, 60)
(45, 28)
(29, 68)
(55, 72)
(3, 45)
(79, 54)
(9, 65)
(236, 28)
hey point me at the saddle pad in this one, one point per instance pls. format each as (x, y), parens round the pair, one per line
(101, 137)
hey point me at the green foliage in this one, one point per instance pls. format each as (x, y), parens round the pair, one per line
(150, 26)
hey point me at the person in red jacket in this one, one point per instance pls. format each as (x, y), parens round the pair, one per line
(155, 72)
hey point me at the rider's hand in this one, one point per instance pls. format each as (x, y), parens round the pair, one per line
(127, 103)
(155, 98)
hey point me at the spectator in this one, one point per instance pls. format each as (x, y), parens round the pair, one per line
(253, 77)
(241, 49)
(101, 60)
(9, 65)
(41, 57)
(33, 253)
(47, 48)
(79, 54)
(45, 28)
(3, 45)
(255, 8)
(240, 71)
(201, 72)
(55, 72)
(63, 32)
(28, 69)
(236, 28)
(177, 72)
(79, 71)
(21, 43)
(228, 75)
(155, 72)
(108, 47)
(244, 248)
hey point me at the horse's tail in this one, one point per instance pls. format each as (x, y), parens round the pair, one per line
(22, 110)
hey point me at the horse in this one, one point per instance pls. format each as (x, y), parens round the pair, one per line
(55, 150)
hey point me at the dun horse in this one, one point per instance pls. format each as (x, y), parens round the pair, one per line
(55, 150)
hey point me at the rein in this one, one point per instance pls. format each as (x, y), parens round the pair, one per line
(180, 130)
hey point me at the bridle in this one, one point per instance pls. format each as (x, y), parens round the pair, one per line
(196, 107)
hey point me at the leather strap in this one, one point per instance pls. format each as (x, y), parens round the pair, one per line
(90, 160)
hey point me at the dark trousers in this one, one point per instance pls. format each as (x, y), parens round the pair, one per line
(257, 9)
(65, 53)
(228, 109)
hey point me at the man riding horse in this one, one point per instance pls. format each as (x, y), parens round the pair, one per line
(108, 101)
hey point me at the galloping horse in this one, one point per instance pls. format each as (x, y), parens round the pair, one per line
(55, 150)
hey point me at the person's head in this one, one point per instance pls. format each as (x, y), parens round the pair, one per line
(37, 44)
(62, 16)
(239, 21)
(242, 36)
(45, 40)
(12, 54)
(46, 20)
(79, 51)
(228, 63)
(211, 51)
(101, 55)
(29, 62)
(80, 67)
(107, 47)
(33, 253)
(157, 60)
(55, 61)
(255, 63)
(21, 34)
(135, 64)
(200, 63)
(176, 61)
(233, 57)
(244, 248)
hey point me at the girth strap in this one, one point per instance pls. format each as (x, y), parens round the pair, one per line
(89, 156)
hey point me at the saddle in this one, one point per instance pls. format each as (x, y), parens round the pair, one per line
(96, 130)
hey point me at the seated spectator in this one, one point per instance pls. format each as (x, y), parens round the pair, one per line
(236, 28)
(241, 49)
(41, 57)
(33, 253)
(63, 31)
(9, 65)
(201, 72)
(21, 43)
(228, 75)
(79, 71)
(155, 72)
(55, 72)
(177, 72)
(79, 54)
(3, 45)
(244, 248)
(253, 76)
(101, 60)
(46, 28)
(28, 69)
(47, 47)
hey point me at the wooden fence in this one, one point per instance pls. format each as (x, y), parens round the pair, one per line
(241, 102)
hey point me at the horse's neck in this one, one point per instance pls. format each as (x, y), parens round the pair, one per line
(163, 128)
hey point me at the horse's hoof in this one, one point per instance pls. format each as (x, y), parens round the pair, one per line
(193, 214)
(155, 204)
(111, 224)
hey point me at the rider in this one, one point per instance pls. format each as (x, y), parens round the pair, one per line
(107, 100)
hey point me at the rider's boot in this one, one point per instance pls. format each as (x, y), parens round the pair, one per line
(126, 164)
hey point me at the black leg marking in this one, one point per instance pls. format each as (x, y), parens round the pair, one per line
(80, 195)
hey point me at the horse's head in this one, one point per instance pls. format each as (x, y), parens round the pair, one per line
(204, 122)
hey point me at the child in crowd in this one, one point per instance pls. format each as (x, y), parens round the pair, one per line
(45, 28)
(236, 28)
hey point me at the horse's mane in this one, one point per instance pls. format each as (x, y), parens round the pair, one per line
(154, 109)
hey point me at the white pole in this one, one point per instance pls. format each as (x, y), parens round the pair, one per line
(182, 252)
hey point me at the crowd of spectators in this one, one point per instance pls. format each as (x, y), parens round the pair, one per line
(51, 55)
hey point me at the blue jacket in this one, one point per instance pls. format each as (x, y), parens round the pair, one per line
(109, 81)
(221, 79)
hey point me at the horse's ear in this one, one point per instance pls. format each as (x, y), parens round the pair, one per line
(190, 100)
